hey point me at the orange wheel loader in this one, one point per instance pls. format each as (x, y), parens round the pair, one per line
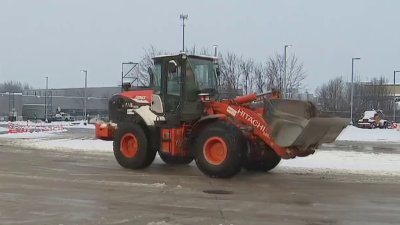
(183, 118)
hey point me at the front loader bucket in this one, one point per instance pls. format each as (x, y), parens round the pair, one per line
(296, 124)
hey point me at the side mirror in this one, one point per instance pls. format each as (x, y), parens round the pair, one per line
(151, 75)
(172, 66)
(218, 71)
(150, 71)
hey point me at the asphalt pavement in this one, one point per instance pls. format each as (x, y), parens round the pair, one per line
(54, 187)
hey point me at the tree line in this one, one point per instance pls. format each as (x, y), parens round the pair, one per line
(13, 87)
(241, 73)
(248, 75)
(334, 96)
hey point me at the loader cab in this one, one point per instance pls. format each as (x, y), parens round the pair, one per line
(179, 80)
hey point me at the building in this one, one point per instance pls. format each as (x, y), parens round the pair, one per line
(69, 100)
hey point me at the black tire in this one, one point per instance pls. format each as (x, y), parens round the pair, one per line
(265, 162)
(175, 160)
(235, 146)
(140, 158)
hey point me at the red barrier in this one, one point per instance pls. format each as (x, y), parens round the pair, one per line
(16, 128)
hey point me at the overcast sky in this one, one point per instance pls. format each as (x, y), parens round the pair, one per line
(59, 38)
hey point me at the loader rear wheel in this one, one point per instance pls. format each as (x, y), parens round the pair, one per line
(175, 160)
(131, 147)
(263, 163)
(219, 150)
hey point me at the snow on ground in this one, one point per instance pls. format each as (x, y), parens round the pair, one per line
(348, 161)
(63, 124)
(77, 124)
(27, 135)
(74, 144)
(351, 133)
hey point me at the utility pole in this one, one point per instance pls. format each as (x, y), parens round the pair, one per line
(183, 17)
(352, 89)
(394, 94)
(85, 98)
(284, 72)
(45, 99)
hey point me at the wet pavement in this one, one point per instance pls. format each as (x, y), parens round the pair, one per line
(60, 187)
(47, 187)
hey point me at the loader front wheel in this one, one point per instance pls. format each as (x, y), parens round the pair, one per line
(175, 160)
(264, 162)
(131, 147)
(219, 150)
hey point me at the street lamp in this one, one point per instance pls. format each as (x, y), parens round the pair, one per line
(45, 99)
(215, 50)
(352, 91)
(183, 17)
(284, 71)
(394, 94)
(85, 100)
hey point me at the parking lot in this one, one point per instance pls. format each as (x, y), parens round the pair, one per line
(73, 187)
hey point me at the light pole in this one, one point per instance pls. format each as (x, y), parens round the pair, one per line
(45, 99)
(352, 91)
(394, 94)
(85, 100)
(183, 17)
(284, 72)
(215, 50)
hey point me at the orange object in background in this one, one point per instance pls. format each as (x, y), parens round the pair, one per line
(105, 131)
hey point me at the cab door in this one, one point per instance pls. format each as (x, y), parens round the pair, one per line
(173, 87)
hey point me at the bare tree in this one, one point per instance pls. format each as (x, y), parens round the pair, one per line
(294, 73)
(372, 95)
(194, 50)
(274, 72)
(247, 67)
(13, 87)
(145, 62)
(332, 95)
(230, 72)
(260, 78)
(238, 73)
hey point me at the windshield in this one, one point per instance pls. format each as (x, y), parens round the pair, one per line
(204, 72)
(157, 78)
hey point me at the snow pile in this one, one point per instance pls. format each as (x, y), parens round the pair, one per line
(71, 144)
(80, 124)
(65, 124)
(348, 161)
(28, 135)
(351, 133)
(74, 124)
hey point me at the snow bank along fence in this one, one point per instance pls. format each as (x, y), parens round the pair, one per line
(14, 128)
